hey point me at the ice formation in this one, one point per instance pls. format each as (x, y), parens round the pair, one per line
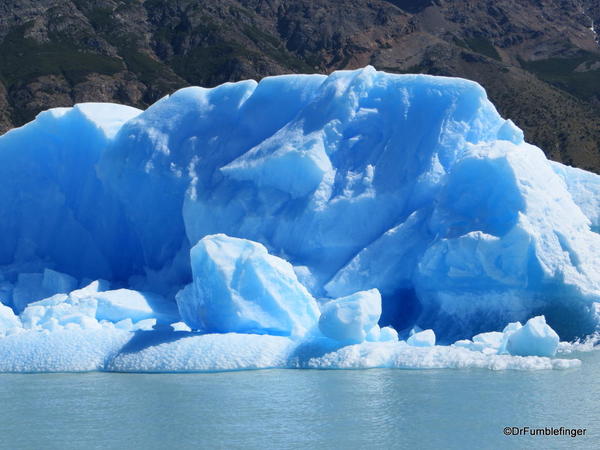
(352, 319)
(303, 221)
(535, 338)
(239, 287)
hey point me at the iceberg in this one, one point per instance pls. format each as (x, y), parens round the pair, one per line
(534, 338)
(239, 287)
(352, 319)
(322, 217)
(493, 342)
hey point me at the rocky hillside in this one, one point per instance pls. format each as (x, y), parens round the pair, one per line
(538, 59)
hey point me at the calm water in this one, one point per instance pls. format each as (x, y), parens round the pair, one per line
(300, 409)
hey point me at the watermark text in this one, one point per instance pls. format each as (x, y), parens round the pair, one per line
(545, 431)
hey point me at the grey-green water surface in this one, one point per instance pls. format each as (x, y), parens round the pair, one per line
(282, 409)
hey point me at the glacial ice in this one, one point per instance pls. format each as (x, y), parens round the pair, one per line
(88, 308)
(535, 338)
(352, 319)
(113, 349)
(239, 211)
(239, 287)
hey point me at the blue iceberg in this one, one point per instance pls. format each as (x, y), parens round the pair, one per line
(238, 287)
(250, 215)
(534, 338)
(352, 319)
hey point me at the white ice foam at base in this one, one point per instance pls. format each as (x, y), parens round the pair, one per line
(403, 356)
(61, 350)
(111, 349)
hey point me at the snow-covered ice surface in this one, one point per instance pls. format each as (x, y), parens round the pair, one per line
(303, 221)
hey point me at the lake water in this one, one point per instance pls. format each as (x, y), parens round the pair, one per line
(300, 409)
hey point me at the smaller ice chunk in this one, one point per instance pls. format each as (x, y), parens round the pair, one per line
(352, 319)
(491, 343)
(488, 343)
(86, 308)
(59, 311)
(422, 339)
(535, 338)
(239, 287)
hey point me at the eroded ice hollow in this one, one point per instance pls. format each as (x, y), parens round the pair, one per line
(360, 219)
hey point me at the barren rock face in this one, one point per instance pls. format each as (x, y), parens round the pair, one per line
(538, 60)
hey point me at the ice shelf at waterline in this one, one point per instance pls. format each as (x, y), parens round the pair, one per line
(359, 219)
